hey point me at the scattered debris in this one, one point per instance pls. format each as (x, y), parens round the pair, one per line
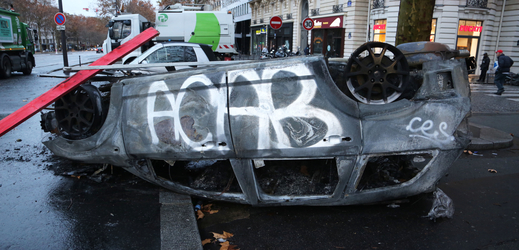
(494, 153)
(201, 211)
(477, 153)
(100, 170)
(18, 140)
(442, 206)
(491, 170)
(222, 239)
(468, 152)
(225, 235)
(393, 205)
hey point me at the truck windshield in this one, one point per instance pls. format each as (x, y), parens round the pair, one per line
(121, 30)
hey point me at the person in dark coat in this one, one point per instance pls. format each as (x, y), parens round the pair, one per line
(503, 68)
(484, 67)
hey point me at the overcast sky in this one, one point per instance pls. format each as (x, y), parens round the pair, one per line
(76, 7)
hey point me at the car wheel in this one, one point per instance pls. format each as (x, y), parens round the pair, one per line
(80, 112)
(28, 70)
(377, 73)
(5, 71)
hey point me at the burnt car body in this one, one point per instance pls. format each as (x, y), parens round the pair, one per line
(295, 131)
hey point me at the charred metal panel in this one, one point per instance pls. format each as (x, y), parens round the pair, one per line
(428, 122)
(181, 116)
(283, 110)
(106, 146)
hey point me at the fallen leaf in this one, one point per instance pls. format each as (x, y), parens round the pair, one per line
(206, 208)
(225, 235)
(224, 246)
(199, 214)
(233, 247)
(491, 170)
(24, 100)
(206, 241)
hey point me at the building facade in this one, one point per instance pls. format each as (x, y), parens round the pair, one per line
(241, 12)
(341, 26)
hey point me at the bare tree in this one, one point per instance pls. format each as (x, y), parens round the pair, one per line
(115, 7)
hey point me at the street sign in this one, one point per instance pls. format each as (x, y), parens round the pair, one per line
(308, 23)
(59, 18)
(60, 27)
(276, 22)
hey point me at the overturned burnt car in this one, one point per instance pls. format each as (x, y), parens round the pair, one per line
(384, 124)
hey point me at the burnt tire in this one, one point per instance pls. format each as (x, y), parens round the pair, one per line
(80, 113)
(28, 70)
(5, 70)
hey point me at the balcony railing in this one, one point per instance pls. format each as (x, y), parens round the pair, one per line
(288, 16)
(315, 11)
(378, 4)
(261, 20)
(477, 3)
(337, 8)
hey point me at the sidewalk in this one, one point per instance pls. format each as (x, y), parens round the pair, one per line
(484, 137)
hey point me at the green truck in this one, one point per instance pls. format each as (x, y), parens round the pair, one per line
(16, 45)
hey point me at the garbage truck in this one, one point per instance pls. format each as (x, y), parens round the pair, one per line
(16, 45)
(193, 23)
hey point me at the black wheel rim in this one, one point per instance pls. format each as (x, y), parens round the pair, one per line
(79, 113)
(380, 77)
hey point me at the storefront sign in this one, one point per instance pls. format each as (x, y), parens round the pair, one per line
(261, 31)
(328, 22)
(470, 28)
(379, 27)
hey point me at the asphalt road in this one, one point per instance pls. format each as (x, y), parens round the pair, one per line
(51, 203)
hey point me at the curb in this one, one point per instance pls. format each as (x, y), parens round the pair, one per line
(484, 137)
(178, 226)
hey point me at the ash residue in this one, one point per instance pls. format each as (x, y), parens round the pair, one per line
(387, 171)
(298, 177)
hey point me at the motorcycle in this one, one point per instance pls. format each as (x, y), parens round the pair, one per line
(282, 52)
(512, 79)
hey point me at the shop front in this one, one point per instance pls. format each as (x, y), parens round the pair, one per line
(259, 39)
(469, 33)
(379, 30)
(328, 36)
(281, 36)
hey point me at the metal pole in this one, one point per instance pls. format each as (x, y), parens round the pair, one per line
(63, 39)
(499, 31)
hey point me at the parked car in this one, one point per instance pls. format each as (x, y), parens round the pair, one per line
(384, 124)
(171, 52)
(99, 50)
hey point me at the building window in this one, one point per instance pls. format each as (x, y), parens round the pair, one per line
(379, 30)
(433, 30)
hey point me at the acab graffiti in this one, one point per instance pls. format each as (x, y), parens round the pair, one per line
(308, 119)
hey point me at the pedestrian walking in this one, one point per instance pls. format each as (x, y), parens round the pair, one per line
(484, 67)
(503, 68)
